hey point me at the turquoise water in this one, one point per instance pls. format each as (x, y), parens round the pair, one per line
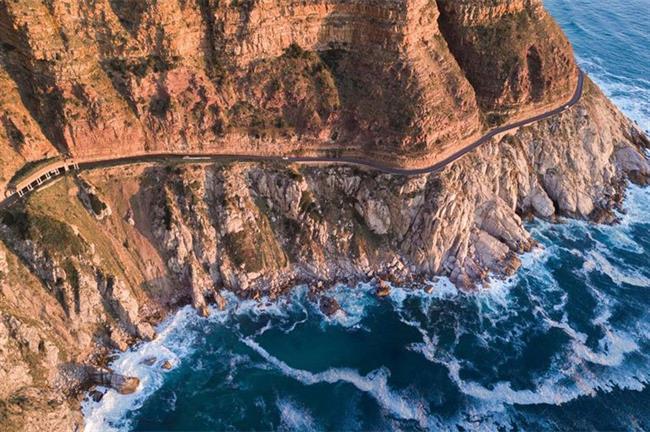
(564, 345)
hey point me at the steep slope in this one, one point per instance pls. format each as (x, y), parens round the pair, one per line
(88, 264)
(359, 78)
(512, 52)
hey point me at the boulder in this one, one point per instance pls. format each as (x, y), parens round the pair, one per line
(121, 383)
(383, 289)
(329, 306)
(542, 205)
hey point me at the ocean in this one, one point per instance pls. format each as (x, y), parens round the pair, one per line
(562, 345)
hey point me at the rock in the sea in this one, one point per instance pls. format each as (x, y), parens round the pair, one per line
(329, 306)
(123, 384)
(95, 395)
(220, 301)
(383, 289)
(149, 361)
(603, 216)
(167, 365)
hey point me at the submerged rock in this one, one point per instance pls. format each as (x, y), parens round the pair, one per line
(149, 361)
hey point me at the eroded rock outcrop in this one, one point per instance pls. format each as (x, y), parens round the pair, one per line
(88, 266)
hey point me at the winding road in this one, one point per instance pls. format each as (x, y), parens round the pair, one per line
(49, 173)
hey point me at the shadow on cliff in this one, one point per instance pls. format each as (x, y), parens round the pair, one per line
(129, 13)
(34, 78)
(372, 82)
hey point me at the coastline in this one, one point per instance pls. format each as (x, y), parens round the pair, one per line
(177, 340)
(126, 259)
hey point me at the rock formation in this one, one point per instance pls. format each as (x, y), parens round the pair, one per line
(89, 264)
(401, 81)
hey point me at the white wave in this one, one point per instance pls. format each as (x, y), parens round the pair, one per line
(441, 289)
(636, 206)
(614, 345)
(568, 384)
(620, 239)
(296, 323)
(294, 417)
(170, 344)
(631, 96)
(568, 381)
(374, 384)
(595, 261)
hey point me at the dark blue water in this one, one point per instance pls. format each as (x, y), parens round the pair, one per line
(564, 345)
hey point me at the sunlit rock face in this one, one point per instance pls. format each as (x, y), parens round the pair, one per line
(399, 80)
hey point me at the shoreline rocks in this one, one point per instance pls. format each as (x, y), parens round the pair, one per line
(383, 289)
(121, 383)
(328, 305)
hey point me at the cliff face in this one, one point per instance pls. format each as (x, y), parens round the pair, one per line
(404, 81)
(88, 264)
(513, 53)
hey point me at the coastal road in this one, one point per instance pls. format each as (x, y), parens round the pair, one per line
(37, 181)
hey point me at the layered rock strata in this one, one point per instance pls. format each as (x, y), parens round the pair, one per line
(406, 82)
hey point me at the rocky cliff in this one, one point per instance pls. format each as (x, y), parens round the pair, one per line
(89, 264)
(402, 81)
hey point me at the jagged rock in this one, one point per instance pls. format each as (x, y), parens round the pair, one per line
(284, 192)
(636, 165)
(167, 365)
(118, 338)
(328, 305)
(490, 252)
(374, 212)
(603, 216)
(383, 289)
(501, 222)
(125, 306)
(122, 384)
(542, 204)
(220, 301)
(96, 395)
(89, 197)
